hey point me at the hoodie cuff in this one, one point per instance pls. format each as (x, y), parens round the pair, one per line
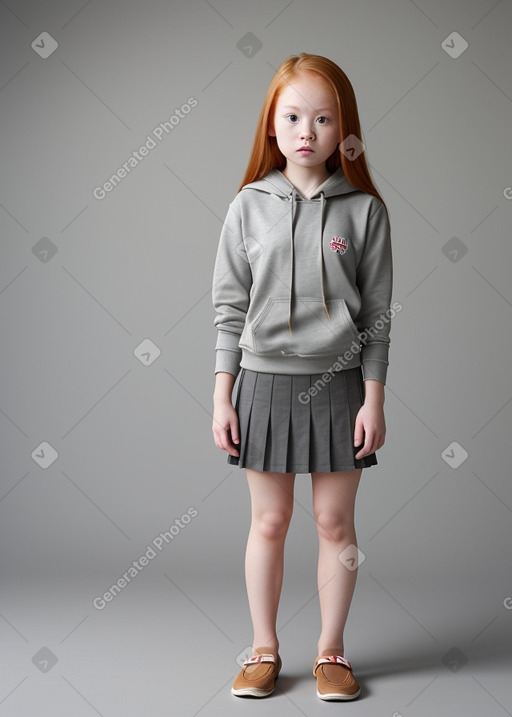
(374, 361)
(374, 369)
(227, 361)
(227, 353)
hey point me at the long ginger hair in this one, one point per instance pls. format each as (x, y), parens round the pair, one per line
(266, 155)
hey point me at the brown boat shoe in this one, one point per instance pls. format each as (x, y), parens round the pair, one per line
(334, 678)
(258, 674)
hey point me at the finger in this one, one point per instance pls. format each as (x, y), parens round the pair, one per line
(235, 435)
(358, 432)
(373, 444)
(226, 443)
(378, 441)
(220, 437)
(361, 454)
(231, 449)
(368, 447)
(217, 427)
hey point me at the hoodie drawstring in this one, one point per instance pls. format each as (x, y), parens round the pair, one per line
(320, 244)
(292, 258)
(293, 197)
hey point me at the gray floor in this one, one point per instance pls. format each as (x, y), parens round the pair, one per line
(166, 645)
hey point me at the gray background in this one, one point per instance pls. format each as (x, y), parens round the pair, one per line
(83, 282)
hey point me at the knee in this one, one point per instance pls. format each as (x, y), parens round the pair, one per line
(333, 525)
(272, 524)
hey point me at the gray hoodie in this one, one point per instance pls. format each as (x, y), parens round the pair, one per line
(303, 286)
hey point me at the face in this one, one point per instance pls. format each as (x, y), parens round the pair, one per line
(305, 122)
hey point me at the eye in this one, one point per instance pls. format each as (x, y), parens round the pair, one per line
(292, 118)
(322, 120)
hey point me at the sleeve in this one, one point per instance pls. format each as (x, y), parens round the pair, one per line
(232, 280)
(375, 284)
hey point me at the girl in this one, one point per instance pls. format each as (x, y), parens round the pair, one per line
(302, 290)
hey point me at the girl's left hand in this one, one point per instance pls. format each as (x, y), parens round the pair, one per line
(370, 427)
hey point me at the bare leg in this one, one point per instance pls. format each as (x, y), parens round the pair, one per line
(334, 497)
(272, 508)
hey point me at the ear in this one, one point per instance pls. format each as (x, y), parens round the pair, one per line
(271, 131)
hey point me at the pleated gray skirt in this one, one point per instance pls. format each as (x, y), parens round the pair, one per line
(298, 424)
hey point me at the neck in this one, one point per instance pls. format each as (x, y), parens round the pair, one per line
(306, 179)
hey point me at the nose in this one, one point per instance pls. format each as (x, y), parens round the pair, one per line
(307, 132)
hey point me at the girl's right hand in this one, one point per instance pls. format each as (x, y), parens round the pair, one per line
(225, 427)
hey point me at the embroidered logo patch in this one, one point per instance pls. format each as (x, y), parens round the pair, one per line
(339, 245)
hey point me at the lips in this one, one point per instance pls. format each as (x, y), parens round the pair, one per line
(305, 149)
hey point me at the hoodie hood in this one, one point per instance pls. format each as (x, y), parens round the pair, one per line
(277, 184)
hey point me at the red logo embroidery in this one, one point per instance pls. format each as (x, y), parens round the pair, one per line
(339, 245)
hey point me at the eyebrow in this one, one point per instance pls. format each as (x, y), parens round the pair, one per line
(292, 107)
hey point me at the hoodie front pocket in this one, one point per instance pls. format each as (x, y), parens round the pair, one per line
(313, 334)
